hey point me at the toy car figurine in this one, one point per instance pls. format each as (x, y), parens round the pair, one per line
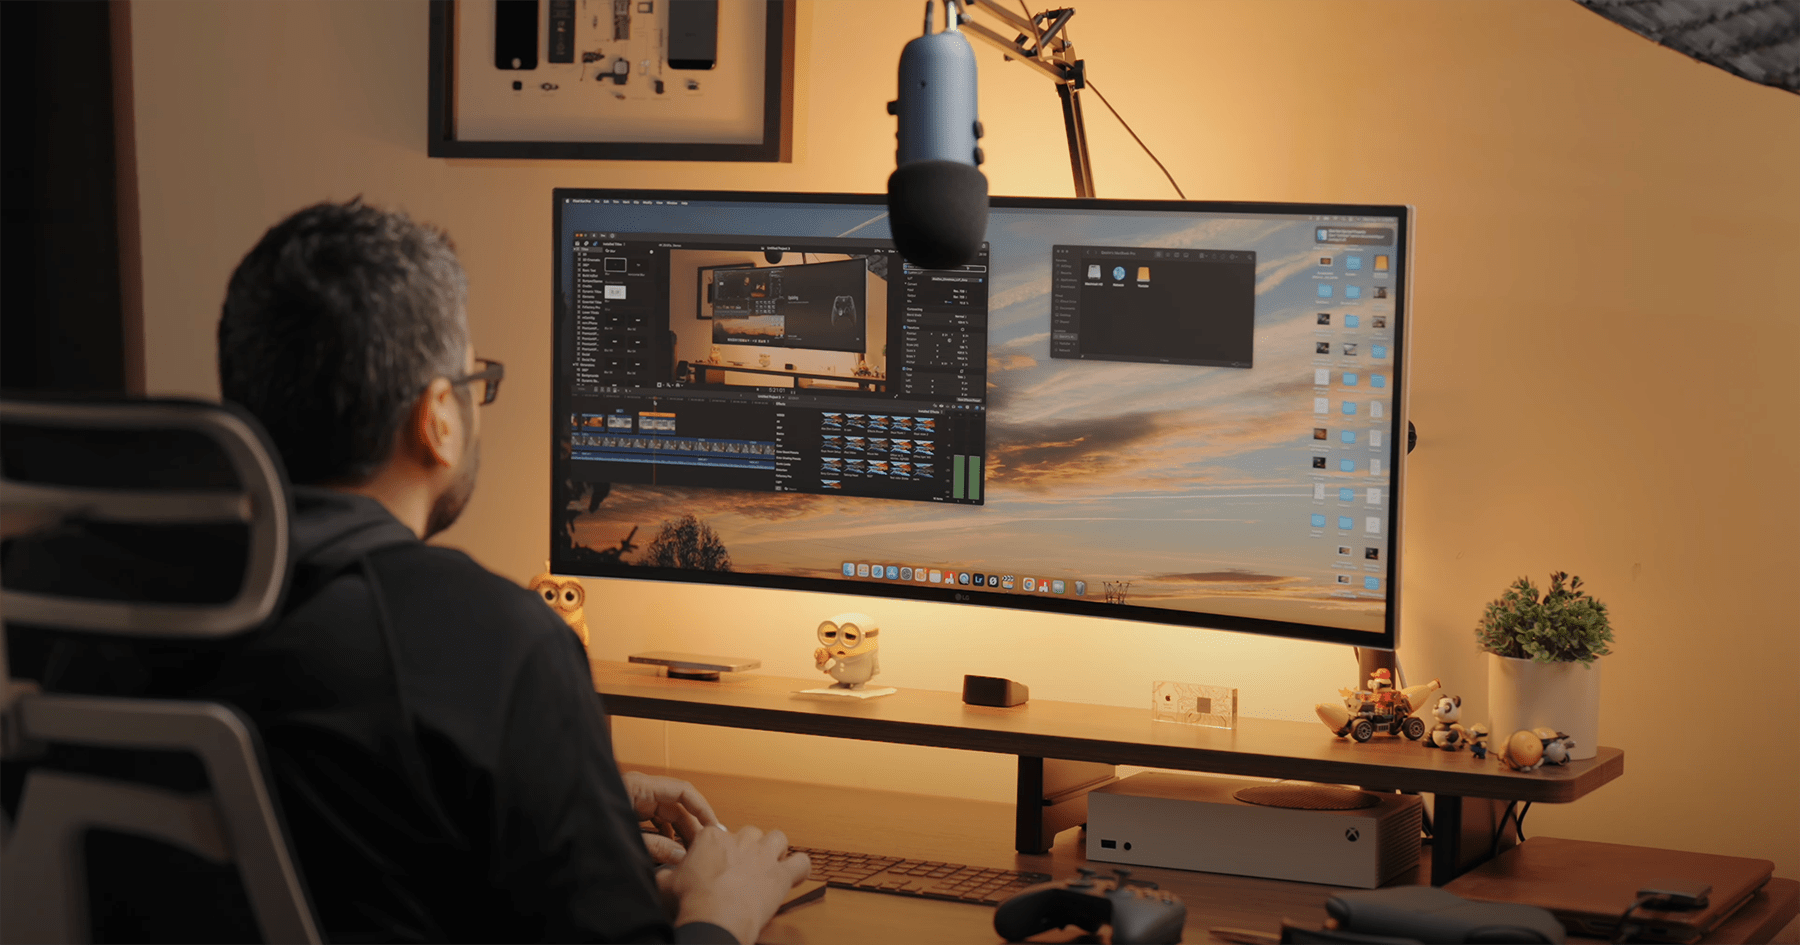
(1379, 708)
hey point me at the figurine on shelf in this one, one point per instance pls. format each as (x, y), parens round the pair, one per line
(1478, 741)
(1530, 750)
(1448, 734)
(1556, 745)
(1379, 708)
(566, 597)
(851, 650)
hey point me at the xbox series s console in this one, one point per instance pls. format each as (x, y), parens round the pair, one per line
(1199, 823)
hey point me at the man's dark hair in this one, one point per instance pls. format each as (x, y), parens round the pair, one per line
(333, 325)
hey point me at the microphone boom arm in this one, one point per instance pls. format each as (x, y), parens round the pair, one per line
(1043, 45)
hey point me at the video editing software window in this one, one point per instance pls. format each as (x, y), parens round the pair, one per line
(745, 362)
(1178, 412)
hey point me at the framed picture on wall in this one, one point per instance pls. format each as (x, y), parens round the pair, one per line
(625, 80)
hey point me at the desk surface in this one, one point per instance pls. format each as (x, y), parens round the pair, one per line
(1080, 732)
(979, 833)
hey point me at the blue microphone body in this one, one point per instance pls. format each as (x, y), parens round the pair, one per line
(937, 198)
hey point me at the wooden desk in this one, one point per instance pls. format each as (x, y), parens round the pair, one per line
(1111, 735)
(976, 833)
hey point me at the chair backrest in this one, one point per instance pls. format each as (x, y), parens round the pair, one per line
(89, 494)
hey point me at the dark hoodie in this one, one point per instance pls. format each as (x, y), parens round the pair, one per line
(442, 761)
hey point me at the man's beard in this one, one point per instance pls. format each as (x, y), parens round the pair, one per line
(449, 505)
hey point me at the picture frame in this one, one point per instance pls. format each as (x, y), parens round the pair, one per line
(606, 88)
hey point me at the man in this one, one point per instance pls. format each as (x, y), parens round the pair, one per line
(441, 757)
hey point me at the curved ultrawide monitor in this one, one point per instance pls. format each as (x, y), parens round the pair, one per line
(1188, 413)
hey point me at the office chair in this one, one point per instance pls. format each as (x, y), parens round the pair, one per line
(86, 489)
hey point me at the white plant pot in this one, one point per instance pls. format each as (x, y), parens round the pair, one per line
(1525, 694)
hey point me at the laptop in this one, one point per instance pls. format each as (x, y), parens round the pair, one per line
(1588, 886)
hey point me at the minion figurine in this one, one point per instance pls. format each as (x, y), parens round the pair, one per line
(850, 652)
(565, 596)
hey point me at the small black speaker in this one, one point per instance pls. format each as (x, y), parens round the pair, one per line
(994, 690)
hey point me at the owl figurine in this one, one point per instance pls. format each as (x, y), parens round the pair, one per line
(565, 596)
(850, 652)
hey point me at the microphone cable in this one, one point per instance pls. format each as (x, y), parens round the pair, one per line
(1115, 113)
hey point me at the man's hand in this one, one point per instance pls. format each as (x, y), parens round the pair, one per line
(734, 880)
(678, 812)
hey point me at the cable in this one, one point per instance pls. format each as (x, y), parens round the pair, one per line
(1519, 821)
(1134, 137)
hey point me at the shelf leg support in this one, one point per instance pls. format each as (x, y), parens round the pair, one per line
(1462, 835)
(1052, 797)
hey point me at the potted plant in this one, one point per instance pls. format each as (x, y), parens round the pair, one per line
(1543, 669)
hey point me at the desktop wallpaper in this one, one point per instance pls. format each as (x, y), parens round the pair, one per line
(1262, 493)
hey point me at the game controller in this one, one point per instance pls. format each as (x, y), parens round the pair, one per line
(1139, 913)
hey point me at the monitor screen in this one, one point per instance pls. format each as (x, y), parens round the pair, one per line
(1182, 412)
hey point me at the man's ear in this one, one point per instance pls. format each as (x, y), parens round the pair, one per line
(437, 425)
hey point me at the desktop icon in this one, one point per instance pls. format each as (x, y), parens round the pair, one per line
(1374, 437)
(1378, 351)
(1348, 436)
(979, 579)
(1143, 274)
(1325, 318)
(1325, 290)
(1318, 492)
(1372, 524)
(1346, 494)
(905, 574)
(1375, 408)
(1373, 584)
(1324, 260)
(1324, 234)
(1350, 379)
(1094, 271)
(1006, 582)
(849, 569)
(1352, 262)
(1378, 380)
(1056, 587)
(1346, 465)
(1080, 588)
(1349, 349)
(1320, 433)
(1343, 579)
(862, 570)
(1031, 584)
(1381, 264)
(893, 572)
(1374, 467)
(963, 578)
(1321, 405)
(918, 575)
(1372, 554)
(937, 577)
(1344, 550)
(1349, 408)
(1318, 521)
(1346, 523)
(1352, 321)
(1118, 273)
(1353, 292)
(1322, 376)
(1318, 462)
(1372, 495)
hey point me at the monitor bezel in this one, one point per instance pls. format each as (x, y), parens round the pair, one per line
(960, 596)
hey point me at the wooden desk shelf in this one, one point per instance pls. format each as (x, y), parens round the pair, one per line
(1112, 735)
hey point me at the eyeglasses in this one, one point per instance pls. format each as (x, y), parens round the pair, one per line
(850, 634)
(490, 375)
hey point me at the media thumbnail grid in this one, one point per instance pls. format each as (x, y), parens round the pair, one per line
(895, 446)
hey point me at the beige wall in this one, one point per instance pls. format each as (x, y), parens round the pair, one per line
(1603, 344)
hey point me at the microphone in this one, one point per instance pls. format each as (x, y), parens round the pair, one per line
(937, 198)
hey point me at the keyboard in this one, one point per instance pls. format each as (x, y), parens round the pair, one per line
(926, 879)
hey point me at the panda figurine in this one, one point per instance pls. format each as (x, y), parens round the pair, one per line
(1448, 734)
